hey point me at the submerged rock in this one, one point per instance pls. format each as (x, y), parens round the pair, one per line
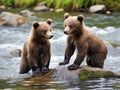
(61, 73)
(27, 13)
(7, 18)
(97, 9)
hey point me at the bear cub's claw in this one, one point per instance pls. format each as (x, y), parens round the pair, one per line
(73, 67)
(45, 70)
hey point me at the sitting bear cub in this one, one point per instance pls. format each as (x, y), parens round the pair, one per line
(86, 43)
(36, 50)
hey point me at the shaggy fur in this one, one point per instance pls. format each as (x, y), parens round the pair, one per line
(86, 43)
(36, 50)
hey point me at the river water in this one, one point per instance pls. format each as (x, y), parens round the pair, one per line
(106, 27)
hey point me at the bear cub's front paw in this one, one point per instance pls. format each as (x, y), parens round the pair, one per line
(63, 63)
(45, 70)
(37, 72)
(73, 67)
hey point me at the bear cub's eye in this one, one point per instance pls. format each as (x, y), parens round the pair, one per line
(44, 31)
(71, 26)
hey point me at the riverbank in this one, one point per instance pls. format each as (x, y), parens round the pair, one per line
(67, 5)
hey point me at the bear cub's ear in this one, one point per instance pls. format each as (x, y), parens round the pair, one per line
(80, 18)
(66, 15)
(35, 24)
(49, 21)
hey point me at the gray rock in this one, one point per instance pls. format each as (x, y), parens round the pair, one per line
(59, 10)
(84, 72)
(41, 7)
(3, 7)
(97, 9)
(11, 19)
(61, 73)
(27, 13)
(42, 4)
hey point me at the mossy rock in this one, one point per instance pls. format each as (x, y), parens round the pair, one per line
(62, 73)
(117, 86)
(92, 73)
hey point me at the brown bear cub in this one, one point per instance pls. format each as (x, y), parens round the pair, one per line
(36, 50)
(86, 43)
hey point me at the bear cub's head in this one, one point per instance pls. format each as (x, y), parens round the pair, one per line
(73, 24)
(42, 29)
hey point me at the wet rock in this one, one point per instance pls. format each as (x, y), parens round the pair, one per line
(16, 52)
(114, 44)
(117, 86)
(42, 3)
(41, 7)
(2, 22)
(84, 72)
(108, 12)
(87, 72)
(27, 13)
(59, 10)
(61, 73)
(97, 9)
(11, 19)
(51, 9)
(3, 7)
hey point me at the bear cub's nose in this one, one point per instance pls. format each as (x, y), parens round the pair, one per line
(65, 32)
(51, 36)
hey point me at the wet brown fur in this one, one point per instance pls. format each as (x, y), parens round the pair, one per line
(86, 43)
(36, 50)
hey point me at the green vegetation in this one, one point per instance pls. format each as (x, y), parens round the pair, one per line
(18, 3)
(77, 4)
(70, 5)
(73, 4)
(7, 2)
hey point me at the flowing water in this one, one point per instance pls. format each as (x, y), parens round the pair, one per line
(105, 26)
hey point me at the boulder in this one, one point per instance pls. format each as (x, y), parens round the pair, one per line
(108, 12)
(97, 9)
(11, 19)
(87, 72)
(3, 7)
(84, 72)
(61, 73)
(59, 10)
(16, 52)
(2, 22)
(41, 7)
(26, 13)
(42, 4)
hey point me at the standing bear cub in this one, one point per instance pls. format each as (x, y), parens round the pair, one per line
(36, 50)
(86, 43)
